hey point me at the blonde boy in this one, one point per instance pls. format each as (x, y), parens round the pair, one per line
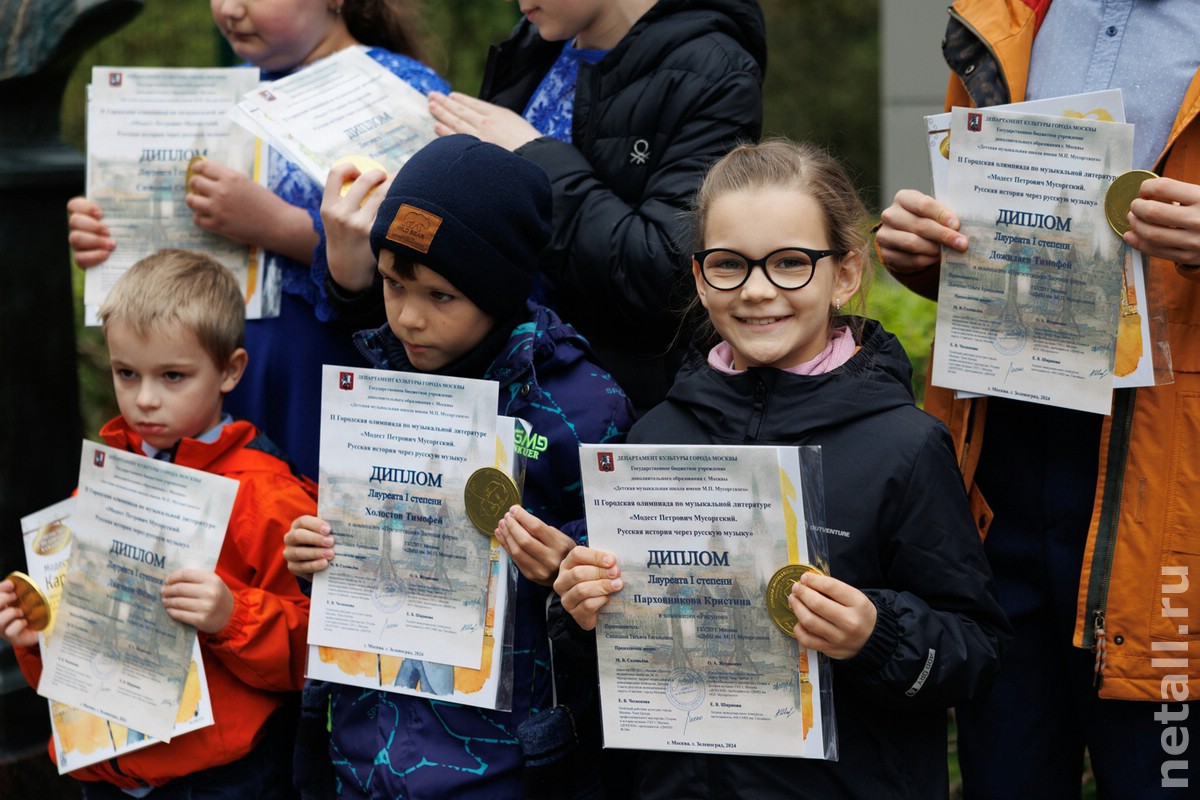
(175, 324)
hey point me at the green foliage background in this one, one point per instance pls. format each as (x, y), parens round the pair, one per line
(821, 85)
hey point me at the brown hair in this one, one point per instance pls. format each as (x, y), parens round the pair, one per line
(180, 287)
(801, 166)
(391, 24)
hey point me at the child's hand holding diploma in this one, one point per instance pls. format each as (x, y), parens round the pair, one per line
(12, 619)
(308, 546)
(585, 580)
(198, 598)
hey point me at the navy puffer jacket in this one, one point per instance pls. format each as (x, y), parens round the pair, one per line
(680, 89)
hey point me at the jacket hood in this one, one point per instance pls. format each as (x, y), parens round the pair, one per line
(738, 408)
(240, 447)
(741, 20)
(646, 43)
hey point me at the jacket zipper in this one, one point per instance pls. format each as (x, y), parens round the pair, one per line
(757, 410)
(1106, 534)
(968, 441)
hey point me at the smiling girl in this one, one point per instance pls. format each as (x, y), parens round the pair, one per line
(908, 614)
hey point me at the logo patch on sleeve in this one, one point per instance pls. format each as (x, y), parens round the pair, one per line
(413, 227)
(530, 445)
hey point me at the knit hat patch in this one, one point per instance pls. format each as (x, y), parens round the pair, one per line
(413, 227)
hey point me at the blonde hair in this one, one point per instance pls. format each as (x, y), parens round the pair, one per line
(180, 287)
(785, 164)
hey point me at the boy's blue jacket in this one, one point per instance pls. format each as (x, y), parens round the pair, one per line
(396, 746)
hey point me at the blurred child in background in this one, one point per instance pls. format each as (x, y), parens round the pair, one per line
(279, 37)
(624, 104)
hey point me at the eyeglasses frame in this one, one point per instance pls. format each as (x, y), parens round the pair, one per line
(814, 255)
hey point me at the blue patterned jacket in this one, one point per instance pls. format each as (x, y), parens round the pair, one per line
(287, 350)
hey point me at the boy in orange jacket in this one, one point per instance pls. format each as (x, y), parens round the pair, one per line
(175, 324)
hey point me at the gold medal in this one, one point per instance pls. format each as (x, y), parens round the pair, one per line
(779, 588)
(191, 170)
(364, 165)
(32, 600)
(1121, 193)
(489, 494)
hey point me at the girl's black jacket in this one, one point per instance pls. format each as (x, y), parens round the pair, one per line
(680, 89)
(899, 529)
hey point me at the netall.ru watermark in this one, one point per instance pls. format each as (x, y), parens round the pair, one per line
(1173, 656)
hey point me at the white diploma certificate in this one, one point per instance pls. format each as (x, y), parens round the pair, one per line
(411, 573)
(486, 687)
(345, 104)
(82, 738)
(1134, 363)
(114, 651)
(1030, 310)
(144, 126)
(689, 657)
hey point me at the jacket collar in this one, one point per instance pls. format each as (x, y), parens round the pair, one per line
(534, 341)
(643, 48)
(767, 405)
(189, 452)
(690, 19)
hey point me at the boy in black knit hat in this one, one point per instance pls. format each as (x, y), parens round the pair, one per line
(457, 240)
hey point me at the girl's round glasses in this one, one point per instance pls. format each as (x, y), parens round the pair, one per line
(786, 268)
